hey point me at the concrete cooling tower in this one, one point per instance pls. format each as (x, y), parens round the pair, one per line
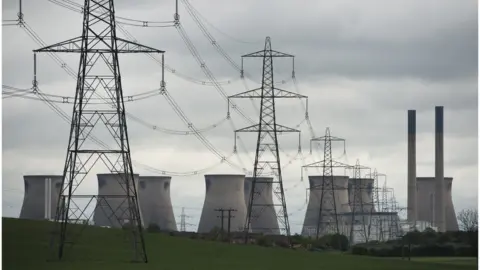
(223, 191)
(341, 202)
(264, 217)
(155, 205)
(110, 210)
(41, 196)
(426, 202)
(366, 191)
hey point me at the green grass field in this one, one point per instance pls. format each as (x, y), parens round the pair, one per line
(25, 246)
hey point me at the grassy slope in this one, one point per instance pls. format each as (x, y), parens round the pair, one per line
(25, 246)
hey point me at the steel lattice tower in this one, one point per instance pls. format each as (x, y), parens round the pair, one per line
(267, 130)
(376, 222)
(358, 203)
(327, 214)
(99, 75)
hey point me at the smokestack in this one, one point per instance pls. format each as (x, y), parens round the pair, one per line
(412, 169)
(439, 181)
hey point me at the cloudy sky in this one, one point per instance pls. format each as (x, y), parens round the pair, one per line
(363, 64)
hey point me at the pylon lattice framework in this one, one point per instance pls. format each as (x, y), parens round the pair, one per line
(267, 130)
(327, 214)
(376, 223)
(357, 202)
(98, 74)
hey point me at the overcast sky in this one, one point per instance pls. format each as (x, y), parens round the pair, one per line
(363, 64)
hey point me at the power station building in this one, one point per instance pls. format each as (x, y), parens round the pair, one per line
(112, 209)
(155, 203)
(429, 198)
(341, 202)
(223, 191)
(263, 218)
(426, 202)
(41, 196)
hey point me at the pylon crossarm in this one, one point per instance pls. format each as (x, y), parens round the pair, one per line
(74, 45)
(71, 45)
(276, 93)
(331, 138)
(278, 128)
(126, 46)
(262, 54)
(335, 164)
(255, 93)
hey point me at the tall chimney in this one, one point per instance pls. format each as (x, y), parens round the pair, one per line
(412, 169)
(439, 181)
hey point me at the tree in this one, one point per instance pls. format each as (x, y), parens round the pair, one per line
(468, 219)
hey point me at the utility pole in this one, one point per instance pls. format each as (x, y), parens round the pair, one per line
(99, 76)
(229, 218)
(221, 210)
(222, 217)
(267, 151)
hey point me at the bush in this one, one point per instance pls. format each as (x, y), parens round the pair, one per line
(334, 241)
(426, 250)
(264, 241)
(153, 228)
(282, 243)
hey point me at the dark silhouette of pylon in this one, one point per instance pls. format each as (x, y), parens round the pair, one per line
(98, 100)
(358, 204)
(267, 130)
(327, 214)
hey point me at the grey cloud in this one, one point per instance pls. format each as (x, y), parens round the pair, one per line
(361, 70)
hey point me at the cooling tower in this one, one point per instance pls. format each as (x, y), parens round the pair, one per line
(223, 191)
(41, 196)
(341, 202)
(264, 217)
(110, 210)
(412, 169)
(426, 211)
(439, 177)
(155, 203)
(366, 198)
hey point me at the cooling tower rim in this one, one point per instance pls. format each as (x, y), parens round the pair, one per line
(249, 178)
(223, 175)
(111, 174)
(334, 176)
(42, 176)
(426, 178)
(152, 177)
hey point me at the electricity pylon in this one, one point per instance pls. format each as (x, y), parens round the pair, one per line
(99, 75)
(358, 203)
(267, 130)
(327, 214)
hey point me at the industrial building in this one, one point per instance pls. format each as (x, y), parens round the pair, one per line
(223, 192)
(341, 202)
(426, 198)
(41, 196)
(155, 203)
(264, 217)
(113, 211)
(429, 198)
(377, 226)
